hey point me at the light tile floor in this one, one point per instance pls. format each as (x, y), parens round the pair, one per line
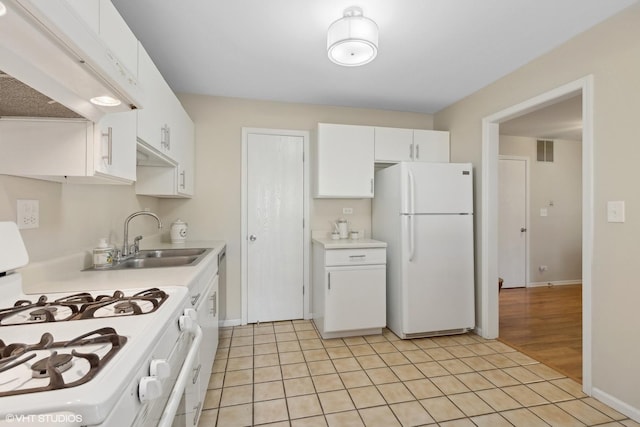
(284, 374)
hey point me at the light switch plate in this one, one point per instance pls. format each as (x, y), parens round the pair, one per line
(615, 211)
(544, 212)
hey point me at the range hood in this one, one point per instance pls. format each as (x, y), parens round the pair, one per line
(48, 54)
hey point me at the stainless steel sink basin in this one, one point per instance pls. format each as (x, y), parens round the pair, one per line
(174, 261)
(169, 253)
(157, 258)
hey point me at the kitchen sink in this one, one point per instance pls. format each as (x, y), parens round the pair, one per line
(158, 258)
(171, 253)
(174, 261)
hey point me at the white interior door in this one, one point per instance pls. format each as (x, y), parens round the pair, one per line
(275, 214)
(512, 222)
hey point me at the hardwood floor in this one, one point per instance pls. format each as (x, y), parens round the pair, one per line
(546, 324)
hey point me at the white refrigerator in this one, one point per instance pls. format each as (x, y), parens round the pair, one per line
(424, 211)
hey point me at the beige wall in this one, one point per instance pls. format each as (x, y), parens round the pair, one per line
(215, 211)
(73, 217)
(555, 240)
(611, 53)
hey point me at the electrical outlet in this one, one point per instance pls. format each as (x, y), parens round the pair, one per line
(542, 268)
(28, 213)
(347, 211)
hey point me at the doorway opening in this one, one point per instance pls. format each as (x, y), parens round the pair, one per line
(540, 215)
(488, 298)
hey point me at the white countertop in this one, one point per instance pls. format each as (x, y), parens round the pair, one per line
(348, 243)
(65, 274)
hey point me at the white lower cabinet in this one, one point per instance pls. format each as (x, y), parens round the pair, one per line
(349, 290)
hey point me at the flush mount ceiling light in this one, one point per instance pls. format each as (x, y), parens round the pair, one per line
(105, 101)
(353, 39)
(3, 9)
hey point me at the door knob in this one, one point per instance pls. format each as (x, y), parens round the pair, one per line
(253, 237)
(522, 230)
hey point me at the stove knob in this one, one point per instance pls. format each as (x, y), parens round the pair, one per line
(150, 388)
(160, 368)
(191, 313)
(186, 324)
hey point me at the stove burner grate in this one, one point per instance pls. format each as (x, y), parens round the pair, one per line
(82, 306)
(52, 367)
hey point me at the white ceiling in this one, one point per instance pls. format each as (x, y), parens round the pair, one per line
(432, 53)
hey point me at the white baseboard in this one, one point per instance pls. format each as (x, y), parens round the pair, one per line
(230, 322)
(617, 404)
(554, 283)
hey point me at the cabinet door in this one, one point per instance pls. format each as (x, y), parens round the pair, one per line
(393, 145)
(183, 145)
(154, 117)
(431, 146)
(115, 145)
(116, 34)
(344, 161)
(355, 298)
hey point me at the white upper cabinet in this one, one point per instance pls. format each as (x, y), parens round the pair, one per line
(153, 128)
(165, 130)
(70, 150)
(119, 38)
(115, 145)
(411, 145)
(344, 159)
(393, 145)
(431, 146)
(184, 140)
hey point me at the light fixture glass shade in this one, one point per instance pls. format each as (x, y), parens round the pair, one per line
(353, 39)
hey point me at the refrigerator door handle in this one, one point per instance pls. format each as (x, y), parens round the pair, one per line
(412, 193)
(411, 232)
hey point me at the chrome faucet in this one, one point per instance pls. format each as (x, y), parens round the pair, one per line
(126, 251)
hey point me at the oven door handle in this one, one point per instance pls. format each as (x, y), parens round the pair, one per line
(185, 374)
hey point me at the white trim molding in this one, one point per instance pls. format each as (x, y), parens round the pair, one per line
(617, 404)
(488, 298)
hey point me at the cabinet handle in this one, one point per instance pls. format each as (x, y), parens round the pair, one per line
(165, 137)
(182, 174)
(197, 413)
(196, 374)
(411, 151)
(371, 185)
(357, 256)
(215, 304)
(329, 280)
(418, 151)
(109, 135)
(195, 299)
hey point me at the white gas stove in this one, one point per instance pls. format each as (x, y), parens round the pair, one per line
(95, 358)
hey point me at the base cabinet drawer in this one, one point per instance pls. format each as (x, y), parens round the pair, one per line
(336, 257)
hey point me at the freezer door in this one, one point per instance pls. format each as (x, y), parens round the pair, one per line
(437, 187)
(438, 273)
